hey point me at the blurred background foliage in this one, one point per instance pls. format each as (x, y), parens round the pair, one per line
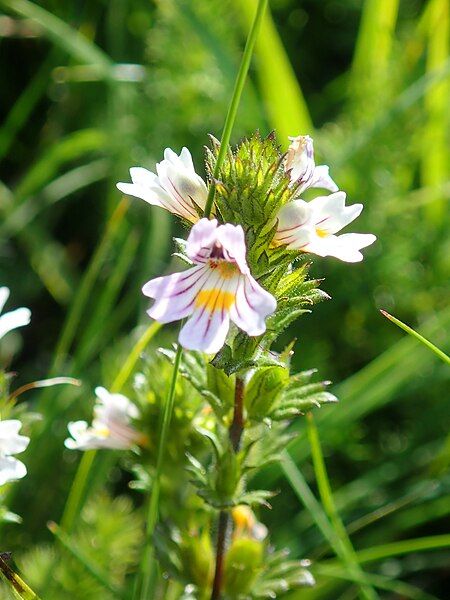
(92, 88)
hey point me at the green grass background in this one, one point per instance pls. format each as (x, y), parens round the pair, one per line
(92, 88)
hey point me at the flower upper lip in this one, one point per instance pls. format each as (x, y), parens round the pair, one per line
(175, 186)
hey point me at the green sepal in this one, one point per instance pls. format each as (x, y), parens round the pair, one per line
(244, 560)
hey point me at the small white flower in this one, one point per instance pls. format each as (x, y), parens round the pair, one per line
(110, 427)
(311, 227)
(300, 165)
(11, 443)
(13, 319)
(176, 186)
(217, 290)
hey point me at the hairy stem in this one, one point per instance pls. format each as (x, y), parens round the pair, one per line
(234, 102)
(235, 433)
(237, 425)
(220, 553)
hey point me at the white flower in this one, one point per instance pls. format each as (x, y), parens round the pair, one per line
(11, 443)
(217, 290)
(13, 319)
(176, 186)
(247, 525)
(300, 165)
(110, 427)
(311, 227)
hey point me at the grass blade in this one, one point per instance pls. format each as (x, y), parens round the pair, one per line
(374, 42)
(288, 112)
(436, 542)
(326, 495)
(434, 148)
(417, 335)
(402, 589)
(85, 288)
(235, 99)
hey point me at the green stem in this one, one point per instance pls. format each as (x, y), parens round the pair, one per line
(234, 103)
(152, 516)
(235, 432)
(326, 496)
(417, 335)
(77, 491)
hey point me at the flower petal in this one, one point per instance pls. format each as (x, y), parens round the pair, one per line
(294, 225)
(299, 161)
(253, 304)
(116, 406)
(10, 440)
(77, 430)
(232, 239)
(175, 294)
(147, 187)
(4, 295)
(321, 179)
(330, 214)
(346, 247)
(205, 331)
(13, 320)
(183, 186)
(11, 469)
(201, 240)
(186, 159)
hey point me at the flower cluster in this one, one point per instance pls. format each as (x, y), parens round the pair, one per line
(219, 288)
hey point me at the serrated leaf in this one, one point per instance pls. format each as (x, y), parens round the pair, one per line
(256, 498)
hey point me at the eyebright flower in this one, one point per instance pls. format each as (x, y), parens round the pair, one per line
(176, 186)
(11, 443)
(246, 524)
(13, 319)
(311, 227)
(300, 165)
(110, 427)
(219, 288)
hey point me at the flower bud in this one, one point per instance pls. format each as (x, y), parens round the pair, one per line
(243, 563)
